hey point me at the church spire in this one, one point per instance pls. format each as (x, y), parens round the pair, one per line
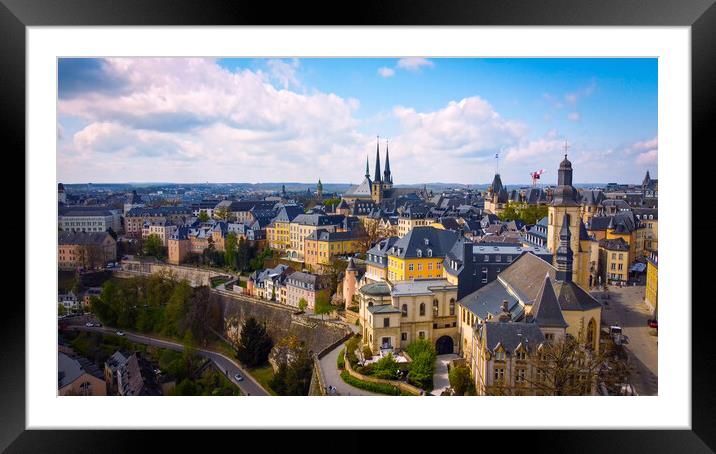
(377, 161)
(564, 252)
(367, 172)
(386, 173)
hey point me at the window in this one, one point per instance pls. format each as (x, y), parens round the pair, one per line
(498, 258)
(419, 253)
(421, 334)
(486, 258)
(386, 322)
(614, 255)
(430, 252)
(430, 266)
(549, 337)
(411, 267)
(484, 275)
(403, 336)
(500, 355)
(614, 266)
(520, 375)
(420, 267)
(541, 375)
(404, 310)
(499, 374)
(520, 355)
(452, 306)
(435, 308)
(435, 326)
(422, 308)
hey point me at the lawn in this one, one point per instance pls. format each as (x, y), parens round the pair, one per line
(263, 375)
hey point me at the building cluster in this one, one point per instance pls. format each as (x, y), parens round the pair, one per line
(446, 266)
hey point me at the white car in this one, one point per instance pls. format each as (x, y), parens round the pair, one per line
(120, 333)
(238, 377)
(89, 324)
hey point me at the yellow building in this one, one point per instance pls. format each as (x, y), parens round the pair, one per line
(614, 260)
(413, 216)
(321, 246)
(392, 315)
(420, 254)
(304, 225)
(651, 297)
(278, 233)
(565, 210)
(376, 259)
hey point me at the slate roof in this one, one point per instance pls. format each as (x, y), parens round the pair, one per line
(438, 241)
(525, 275)
(572, 297)
(247, 205)
(288, 213)
(158, 211)
(383, 309)
(511, 334)
(361, 190)
(616, 244)
(312, 281)
(325, 235)
(83, 238)
(546, 309)
(375, 289)
(318, 219)
(71, 368)
(592, 197)
(599, 223)
(487, 300)
(84, 211)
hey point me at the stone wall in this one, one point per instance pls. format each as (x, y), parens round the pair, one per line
(280, 322)
(196, 276)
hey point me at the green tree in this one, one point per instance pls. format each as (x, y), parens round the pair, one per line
(323, 304)
(230, 245)
(302, 304)
(461, 380)
(203, 216)
(222, 214)
(153, 245)
(422, 368)
(255, 343)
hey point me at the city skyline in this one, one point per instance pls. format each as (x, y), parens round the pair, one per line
(205, 120)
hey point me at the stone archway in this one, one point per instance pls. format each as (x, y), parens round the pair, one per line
(444, 345)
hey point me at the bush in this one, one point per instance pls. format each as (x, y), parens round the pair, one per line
(351, 347)
(341, 361)
(386, 367)
(461, 380)
(367, 352)
(379, 388)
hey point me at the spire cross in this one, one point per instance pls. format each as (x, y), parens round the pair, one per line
(566, 147)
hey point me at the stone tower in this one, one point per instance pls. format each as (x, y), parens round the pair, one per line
(350, 283)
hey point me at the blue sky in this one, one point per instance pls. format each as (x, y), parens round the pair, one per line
(257, 120)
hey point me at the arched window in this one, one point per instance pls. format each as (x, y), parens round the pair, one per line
(591, 331)
(452, 306)
(370, 303)
(419, 252)
(404, 310)
(435, 308)
(422, 308)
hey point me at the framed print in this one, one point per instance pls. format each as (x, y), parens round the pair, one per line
(264, 218)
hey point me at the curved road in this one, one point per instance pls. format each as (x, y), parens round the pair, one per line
(248, 386)
(332, 376)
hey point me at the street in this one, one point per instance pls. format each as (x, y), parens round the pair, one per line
(248, 386)
(332, 376)
(626, 308)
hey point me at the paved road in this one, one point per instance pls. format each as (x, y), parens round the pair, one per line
(440, 378)
(627, 309)
(332, 377)
(248, 385)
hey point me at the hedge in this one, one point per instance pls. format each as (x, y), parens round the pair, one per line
(372, 387)
(341, 360)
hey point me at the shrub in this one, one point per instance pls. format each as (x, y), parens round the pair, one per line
(460, 379)
(379, 388)
(351, 347)
(386, 367)
(367, 352)
(341, 361)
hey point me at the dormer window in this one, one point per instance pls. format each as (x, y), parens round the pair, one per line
(430, 252)
(500, 355)
(419, 252)
(427, 241)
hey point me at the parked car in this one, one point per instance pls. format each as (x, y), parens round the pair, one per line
(652, 323)
(89, 324)
(120, 333)
(238, 377)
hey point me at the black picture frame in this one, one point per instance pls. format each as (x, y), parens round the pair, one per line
(16, 15)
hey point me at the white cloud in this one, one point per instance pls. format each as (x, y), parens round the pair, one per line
(414, 63)
(574, 116)
(535, 151)
(284, 73)
(583, 92)
(386, 72)
(648, 157)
